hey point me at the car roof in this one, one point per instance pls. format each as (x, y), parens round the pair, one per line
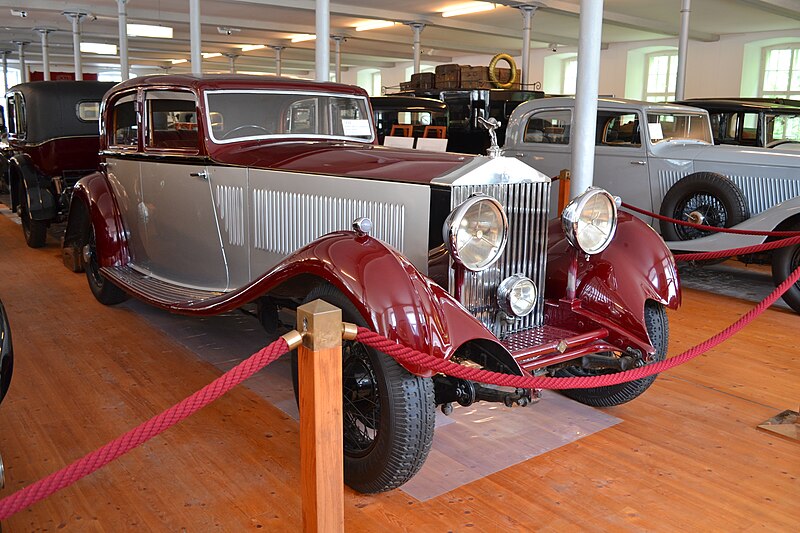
(736, 104)
(617, 103)
(236, 81)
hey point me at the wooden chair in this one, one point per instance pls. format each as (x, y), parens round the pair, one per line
(402, 130)
(437, 132)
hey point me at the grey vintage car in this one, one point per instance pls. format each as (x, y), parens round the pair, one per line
(662, 158)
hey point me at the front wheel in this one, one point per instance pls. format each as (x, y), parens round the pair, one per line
(104, 291)
(388, 412)
(655, 319)
(785, 261)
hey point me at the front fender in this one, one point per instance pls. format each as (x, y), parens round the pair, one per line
(614, 285)
(92, 203)
(41, 203)
(395, 299)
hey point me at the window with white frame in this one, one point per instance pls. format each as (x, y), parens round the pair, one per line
(780, 77)
(660, 76)
(377, 88)
(422, 68)
(569, 81)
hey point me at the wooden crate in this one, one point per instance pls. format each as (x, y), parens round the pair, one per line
(477, 84)
(406, 86)
(504, 74)
(424, 80)
(469, 73)
(448, 76)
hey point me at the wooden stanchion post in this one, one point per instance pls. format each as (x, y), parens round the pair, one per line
(320, 379)
(563, 190)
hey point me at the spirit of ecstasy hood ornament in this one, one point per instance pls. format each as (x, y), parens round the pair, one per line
(491, 124)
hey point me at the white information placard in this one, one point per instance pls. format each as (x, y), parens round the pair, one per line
(356, 127)
(656, 133)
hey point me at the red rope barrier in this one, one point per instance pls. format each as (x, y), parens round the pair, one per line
(701, 256)
(411, 356)
(142, 433)
(712, 228)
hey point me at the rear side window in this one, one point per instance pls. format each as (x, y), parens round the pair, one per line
(619, 129)
(88, 111)
(551, 126)
(124, 130)
(16, 116)
(171, 120)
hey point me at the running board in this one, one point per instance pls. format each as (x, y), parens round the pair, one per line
(159, 292)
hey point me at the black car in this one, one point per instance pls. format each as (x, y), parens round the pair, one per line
(465, 106)
(390, 112)
(760, 122)
(6, 354)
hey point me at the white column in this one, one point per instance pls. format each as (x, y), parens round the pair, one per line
(527, 14)
(231, 61)
(278, 50)
(683, 48)
(417, 28)
(337, 54)
(23, 68)
(5, 69)
(323, 45)
(76, 17)
(194, 37)
(45, 32)
(124, 64)
(585, 121)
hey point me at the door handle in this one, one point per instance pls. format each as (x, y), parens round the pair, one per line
(638, 163)
(521, 154)
(202, 174)
(104, 164)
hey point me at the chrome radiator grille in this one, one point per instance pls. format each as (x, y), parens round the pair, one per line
(526, 253)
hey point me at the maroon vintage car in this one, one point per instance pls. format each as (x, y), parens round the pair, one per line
(53, 141)
(219, 191)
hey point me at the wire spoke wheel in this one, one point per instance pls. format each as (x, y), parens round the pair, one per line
(361, 400)
(700, 208)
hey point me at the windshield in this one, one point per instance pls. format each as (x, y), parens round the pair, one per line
(783, 128)
(673, 126)
(245, 115)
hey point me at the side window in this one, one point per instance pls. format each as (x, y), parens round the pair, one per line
(88, 111)
(550, 126)
(124, 130)
(750, 127)
(618, 129)
(171, 120)
(16, 116)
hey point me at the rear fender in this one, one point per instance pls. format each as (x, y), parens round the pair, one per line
(92, 203)
(40, 201)
(614, 286)
(395, 299)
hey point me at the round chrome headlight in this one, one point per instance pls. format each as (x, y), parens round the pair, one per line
(590, 220)
(476, 231)
(517, 295)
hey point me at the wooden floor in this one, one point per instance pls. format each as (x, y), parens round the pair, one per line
(687, 456)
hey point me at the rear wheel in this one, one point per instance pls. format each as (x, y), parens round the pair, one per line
(106, 292)
(785, 261)
(655, 319)
(388, 412)
(6, 356)
(35, 231)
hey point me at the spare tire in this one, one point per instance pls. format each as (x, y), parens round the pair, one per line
(704, 198)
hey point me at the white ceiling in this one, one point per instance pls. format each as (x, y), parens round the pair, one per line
(270, 22)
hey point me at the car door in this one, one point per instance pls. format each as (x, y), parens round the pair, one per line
(621, 165)
(181, 240)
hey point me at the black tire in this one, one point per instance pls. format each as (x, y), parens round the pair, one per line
(655, 319)
(712, 198)
(35, 231)
(785, 261)
(104, 291)
(389, 413)
(6, 353)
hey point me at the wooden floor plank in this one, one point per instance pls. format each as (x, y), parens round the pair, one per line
(686, 457)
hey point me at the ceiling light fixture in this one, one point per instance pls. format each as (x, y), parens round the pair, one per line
(178, 61)
(99, 48)
(466, 9)
(251, 47)
(302, 37)
(209, 55)
(225, 30)
(375, 24)
(147, 30)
